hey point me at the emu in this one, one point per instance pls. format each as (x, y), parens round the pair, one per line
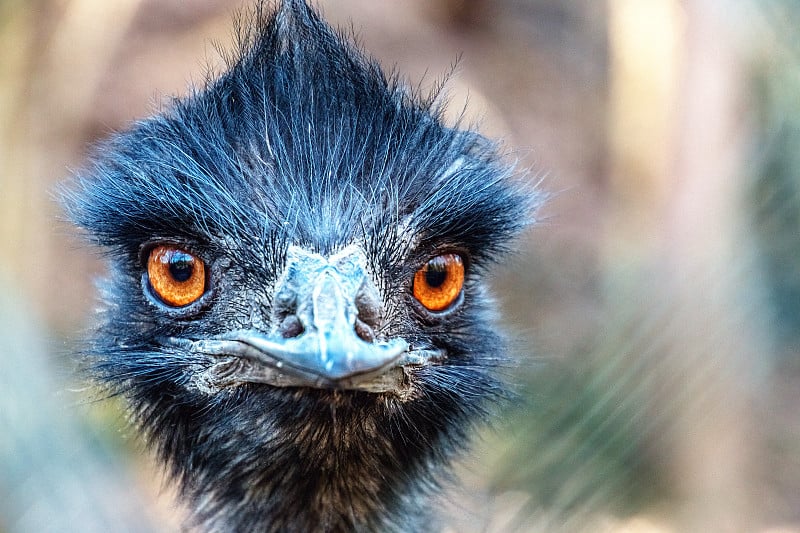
(296, 310)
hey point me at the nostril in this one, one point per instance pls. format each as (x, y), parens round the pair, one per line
(370, 311)
(291, 326)
(364, 331)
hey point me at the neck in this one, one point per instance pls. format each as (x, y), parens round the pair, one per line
(310, 461)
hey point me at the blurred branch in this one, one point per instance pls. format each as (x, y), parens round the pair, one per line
(647, 41)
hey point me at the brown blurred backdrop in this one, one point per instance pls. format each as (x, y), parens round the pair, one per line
(657, 305)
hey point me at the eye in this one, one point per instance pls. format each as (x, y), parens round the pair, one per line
(438, 284)
(176, 276)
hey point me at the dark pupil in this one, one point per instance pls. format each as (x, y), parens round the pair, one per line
(436, 273)
(181, 266)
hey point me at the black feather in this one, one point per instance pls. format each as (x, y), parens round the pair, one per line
(302, 141)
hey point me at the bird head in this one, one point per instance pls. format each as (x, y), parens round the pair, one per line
(298, 252)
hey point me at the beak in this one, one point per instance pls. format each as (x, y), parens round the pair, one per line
(329, 346)
(324, 310)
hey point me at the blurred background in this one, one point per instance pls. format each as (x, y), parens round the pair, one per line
(656, 306)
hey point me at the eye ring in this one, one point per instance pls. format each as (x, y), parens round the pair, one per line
(177, 277)
(439, 283)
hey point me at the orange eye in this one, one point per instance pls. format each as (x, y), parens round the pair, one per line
(176, 276)
(439, 282)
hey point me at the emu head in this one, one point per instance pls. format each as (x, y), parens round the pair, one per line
(296, 309)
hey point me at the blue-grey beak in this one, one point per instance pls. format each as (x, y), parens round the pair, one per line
(324, 314)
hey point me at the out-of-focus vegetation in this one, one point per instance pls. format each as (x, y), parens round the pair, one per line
(775, 192)
(657, 305)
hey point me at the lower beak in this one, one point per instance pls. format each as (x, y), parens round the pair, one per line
(332, 356)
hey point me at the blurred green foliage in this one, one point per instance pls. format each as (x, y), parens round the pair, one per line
(776, 170)
(585, 439)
